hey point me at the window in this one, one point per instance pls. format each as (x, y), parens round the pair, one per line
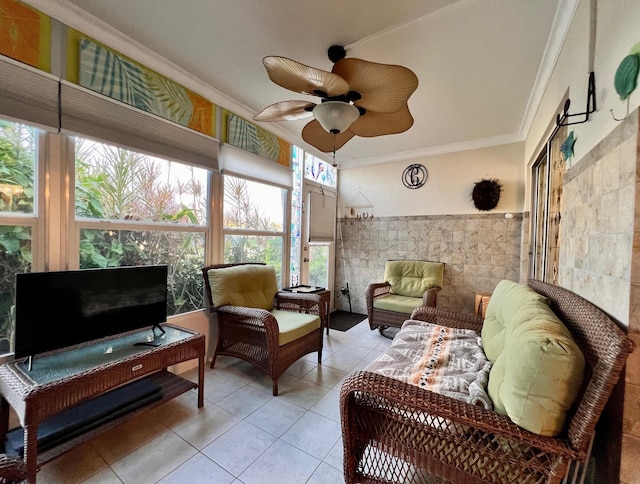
(254, 222)
(320, 171)
(319, 265)
(319, 216)
(295, 256)
(135, 209)
(546, 179)
(18, 215)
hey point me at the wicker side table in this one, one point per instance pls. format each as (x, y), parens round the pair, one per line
(325, 296)
(63, 378)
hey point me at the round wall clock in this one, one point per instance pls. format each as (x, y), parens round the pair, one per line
(414, 176)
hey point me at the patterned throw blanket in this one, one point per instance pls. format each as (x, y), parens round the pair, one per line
(443, 360)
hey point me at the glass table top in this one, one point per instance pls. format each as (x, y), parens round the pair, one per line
(67, 363)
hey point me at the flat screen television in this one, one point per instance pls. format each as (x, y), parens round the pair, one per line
(62, 308)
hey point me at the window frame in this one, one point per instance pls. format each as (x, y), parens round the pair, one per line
(77, 224)
(35, 221)
(283, 234)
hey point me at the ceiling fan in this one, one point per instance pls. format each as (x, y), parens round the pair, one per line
(358, 98)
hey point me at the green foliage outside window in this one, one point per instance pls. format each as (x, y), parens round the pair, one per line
(117, 184)
(245, 208)
(165, 202)
(18, 149)
(318, 265)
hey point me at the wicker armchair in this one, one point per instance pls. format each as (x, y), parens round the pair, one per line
(271, 330)
(407, 285)
(397, 432)
(12, 469)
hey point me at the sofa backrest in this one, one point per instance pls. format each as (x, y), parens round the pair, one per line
(537, 366)
(605, 348)
(413, 277)
(603, 345)
(246, 285)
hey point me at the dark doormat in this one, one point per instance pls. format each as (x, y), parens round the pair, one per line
(344, 320)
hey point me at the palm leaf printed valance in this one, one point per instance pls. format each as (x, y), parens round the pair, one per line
(109, 73)
(257, 140)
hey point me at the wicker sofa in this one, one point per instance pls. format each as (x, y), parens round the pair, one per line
(407, 285)
(396, 431)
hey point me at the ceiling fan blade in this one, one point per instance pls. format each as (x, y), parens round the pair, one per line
(378, 124)
(315, 135)
(384, 88)
(304, 79)
(285, 111)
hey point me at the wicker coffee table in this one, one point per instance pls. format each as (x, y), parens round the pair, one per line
(64, 378)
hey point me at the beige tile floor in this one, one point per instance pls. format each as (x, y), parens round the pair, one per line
(242, 435)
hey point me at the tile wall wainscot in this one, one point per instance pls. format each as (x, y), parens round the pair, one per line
(600, 260)
(479, 250)
(596, 235)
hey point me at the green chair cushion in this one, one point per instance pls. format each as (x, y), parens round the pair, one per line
(251, 286)
(537, 366)
(293, 325)
(399, 304)
(413, 277)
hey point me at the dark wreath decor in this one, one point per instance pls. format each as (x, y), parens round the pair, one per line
(486, 194)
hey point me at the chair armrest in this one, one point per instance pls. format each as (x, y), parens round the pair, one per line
(377, 289)
(411, 420)
(446, 317)
(251, 316)
(430, 296)
(299, 302)
(374, 290)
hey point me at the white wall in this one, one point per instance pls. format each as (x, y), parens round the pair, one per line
(617, 31)
(452, 178)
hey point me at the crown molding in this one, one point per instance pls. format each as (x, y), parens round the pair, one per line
(436, 150)
(562, 20)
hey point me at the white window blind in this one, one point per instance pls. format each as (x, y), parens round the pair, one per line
(321, 216)
(86, 113)
(28, 94)
(241, 163)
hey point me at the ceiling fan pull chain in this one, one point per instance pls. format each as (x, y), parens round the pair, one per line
(334, 150)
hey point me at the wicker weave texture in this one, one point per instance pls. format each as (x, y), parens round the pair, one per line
(34, 402)
(12, 469)
(396, 432)
(46, 400)
(380, 318)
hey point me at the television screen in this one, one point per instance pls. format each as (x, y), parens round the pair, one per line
(58, 309)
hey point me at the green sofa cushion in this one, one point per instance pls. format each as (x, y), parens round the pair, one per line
(510, 305)
(399, 304)
(293, 325)
(537, 366)
(413, 277)
(251, 286)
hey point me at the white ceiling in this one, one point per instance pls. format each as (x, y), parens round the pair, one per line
(479, 62)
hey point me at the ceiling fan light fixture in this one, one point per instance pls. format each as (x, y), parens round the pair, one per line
(335, 116)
